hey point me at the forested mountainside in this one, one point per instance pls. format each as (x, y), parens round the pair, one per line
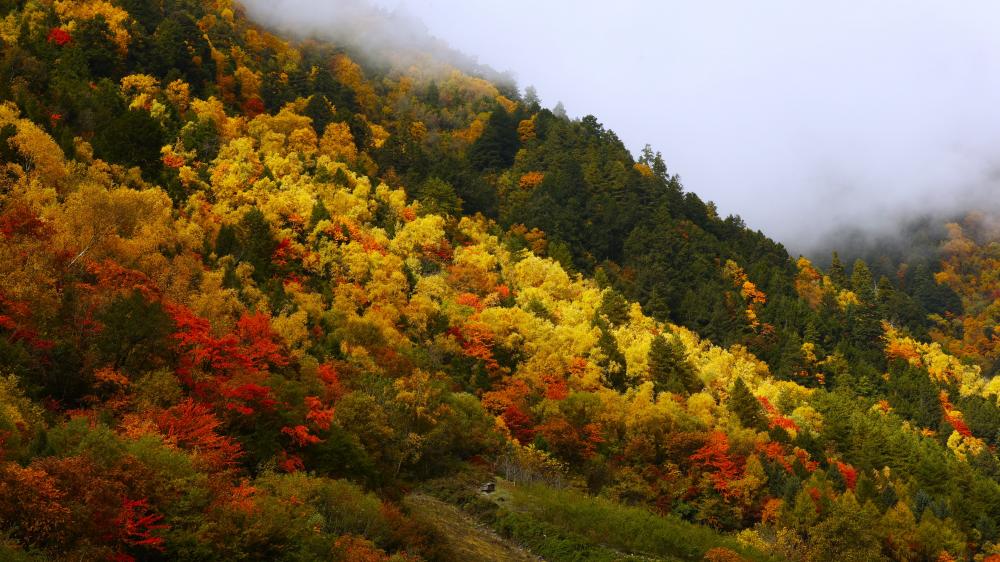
(263, 299)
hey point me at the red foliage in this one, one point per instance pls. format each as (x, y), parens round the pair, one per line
(519, 424)
(282, 252)
(318, 414)
(241, 497)
(253, 107)
(137, 524)
(290, 463)
(785, 423)
(849, 473)
(776, 452)
(555, 387)
(261, 344)
(113, 277)
(475, 340)
(21, 220)
(14, 315)
(442, 252)
(715, 455)
(300, 436)
(59, 36)
(776, 419)
(803, 456)
(193, 426)
(569, 442)
(768, 407)
(199, 348)
(242, 398)
(328, 374)
(252, 349)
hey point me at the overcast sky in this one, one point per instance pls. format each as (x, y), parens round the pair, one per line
(798, 116)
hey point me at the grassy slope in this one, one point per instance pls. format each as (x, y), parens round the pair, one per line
(632, 530)
(564, 525)
(464, 538)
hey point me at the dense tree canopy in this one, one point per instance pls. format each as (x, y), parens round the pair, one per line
(253, 292)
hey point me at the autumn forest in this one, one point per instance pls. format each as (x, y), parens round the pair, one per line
(263, 298)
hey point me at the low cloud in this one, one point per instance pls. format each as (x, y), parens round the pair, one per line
(808, 120)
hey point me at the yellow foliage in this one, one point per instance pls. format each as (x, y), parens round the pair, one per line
(508, 105)
(116, 18)
(473, 131)
(248, 80)
(137, 84)
(809, 283)
(349, 73)
(45, 156)
(643, 169)
(847, 299)
(418, 131)
(526, 130)
(963, 446)
(179, 94)
(379, 134)
(941, 367)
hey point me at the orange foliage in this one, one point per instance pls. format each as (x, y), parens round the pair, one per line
(903, 348)
(715, 456)
(531, 180)
(849, 473)
(300, 436)
(721, 554)
(328, 374)
(193, 426)
(476, 340)
(771, 511)
(318, 414)
(31, 503)
(555, 387)
(567, 441)
(358, 549)
(470, 300)
(953, 416)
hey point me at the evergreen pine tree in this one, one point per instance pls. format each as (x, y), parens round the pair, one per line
(837, 273)
(669, 368)
(746, 406)
(862, 282)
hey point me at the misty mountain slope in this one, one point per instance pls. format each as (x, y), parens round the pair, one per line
(254, 290)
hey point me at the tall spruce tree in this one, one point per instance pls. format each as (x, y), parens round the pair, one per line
(669, 368)
(746, 406)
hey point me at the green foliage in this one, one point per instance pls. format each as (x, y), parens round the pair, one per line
(670, 369)
(133, 138)
(601, 522)
(496, 147)
(438, 197)
(746, 406)
(347, 350)
(135, 332)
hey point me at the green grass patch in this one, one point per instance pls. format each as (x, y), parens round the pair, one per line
(613, 526)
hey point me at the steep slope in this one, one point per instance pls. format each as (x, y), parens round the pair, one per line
(252, 291)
